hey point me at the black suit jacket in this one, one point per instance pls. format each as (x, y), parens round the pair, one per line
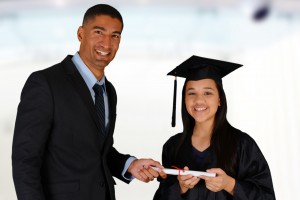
(58, 151)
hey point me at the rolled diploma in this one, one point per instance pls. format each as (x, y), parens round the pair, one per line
(185, 172)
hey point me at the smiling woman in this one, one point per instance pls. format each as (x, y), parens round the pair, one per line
(209, 143)
(202, 100)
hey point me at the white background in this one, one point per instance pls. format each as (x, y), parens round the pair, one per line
(263, 96)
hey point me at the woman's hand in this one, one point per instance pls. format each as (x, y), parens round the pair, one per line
(187, 182)
(221, 182)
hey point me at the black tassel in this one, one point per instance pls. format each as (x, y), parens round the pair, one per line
(174, 103)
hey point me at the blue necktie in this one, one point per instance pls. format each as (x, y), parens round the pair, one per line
(99, 104)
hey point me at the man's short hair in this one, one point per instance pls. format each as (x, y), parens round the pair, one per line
(102, 9)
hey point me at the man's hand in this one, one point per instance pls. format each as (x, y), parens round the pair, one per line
(141, 169)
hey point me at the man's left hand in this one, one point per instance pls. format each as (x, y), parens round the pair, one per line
(141, 169)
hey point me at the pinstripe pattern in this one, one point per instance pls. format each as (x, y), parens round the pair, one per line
(99, 105)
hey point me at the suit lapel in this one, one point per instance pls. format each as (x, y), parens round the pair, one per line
(80, 87)
(112, 101)
(111, 94)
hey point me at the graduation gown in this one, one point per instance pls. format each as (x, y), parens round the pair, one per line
(253, 177)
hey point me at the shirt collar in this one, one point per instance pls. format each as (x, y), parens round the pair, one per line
(86, 74)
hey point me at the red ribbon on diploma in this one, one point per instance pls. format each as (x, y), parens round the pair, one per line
(179, 169)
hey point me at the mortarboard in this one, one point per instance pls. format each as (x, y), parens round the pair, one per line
(197, 68)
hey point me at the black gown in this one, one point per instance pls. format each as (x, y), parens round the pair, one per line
(253, 177)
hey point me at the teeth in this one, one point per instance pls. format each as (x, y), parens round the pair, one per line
(200, 109)
(102, 53)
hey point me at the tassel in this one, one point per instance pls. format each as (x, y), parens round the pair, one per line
(174, 103)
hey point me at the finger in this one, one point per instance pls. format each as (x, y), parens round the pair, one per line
(147, 173)
(163, 175)
(157, 164)
(211, 187)
(143, 176)
(195, 181)
(189, 183)
(192, 182)
(206, 178)
(215, 170)
(151, 162)
(184, 177)
(153, 172)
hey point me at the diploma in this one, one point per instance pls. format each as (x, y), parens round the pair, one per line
(185, 172)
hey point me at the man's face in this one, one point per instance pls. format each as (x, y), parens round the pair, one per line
(100, 38)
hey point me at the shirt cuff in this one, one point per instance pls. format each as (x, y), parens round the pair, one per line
(128, 176)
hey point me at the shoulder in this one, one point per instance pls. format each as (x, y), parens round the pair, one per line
(111, 89)
(243, 137)
(245, 142)
(109, 85)
(66, 66)
(173, 140)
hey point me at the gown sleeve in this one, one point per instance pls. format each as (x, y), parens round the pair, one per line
(169, 188)
(253, 181)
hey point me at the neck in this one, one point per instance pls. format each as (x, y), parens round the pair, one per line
(97, 70)
(203, 129)
(201, 136)
(98, 74)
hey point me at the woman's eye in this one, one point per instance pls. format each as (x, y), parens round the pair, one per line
(190, 93)
(207, 93)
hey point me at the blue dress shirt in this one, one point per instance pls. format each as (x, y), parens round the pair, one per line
(90, 81)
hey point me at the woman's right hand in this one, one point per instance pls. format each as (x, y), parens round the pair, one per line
(187, 182)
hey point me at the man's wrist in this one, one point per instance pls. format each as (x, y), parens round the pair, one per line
(126, 174)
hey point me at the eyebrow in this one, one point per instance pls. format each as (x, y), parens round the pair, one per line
(206, 88)
(103, 29)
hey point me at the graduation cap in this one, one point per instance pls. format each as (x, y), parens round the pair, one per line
(197, 68)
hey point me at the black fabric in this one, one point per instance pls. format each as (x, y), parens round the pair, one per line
(197, 68)
(253, 176)
(99, 105)
(57, 152)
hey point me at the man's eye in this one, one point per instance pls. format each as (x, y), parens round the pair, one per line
(98, 32)
(116, 36)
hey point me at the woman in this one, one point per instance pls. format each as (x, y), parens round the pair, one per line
(209, 143)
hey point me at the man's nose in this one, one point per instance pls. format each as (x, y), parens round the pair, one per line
(106, 41)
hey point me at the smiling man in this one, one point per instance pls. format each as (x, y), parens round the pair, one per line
(63, 138)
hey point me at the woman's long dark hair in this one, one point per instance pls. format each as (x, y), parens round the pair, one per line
(223, 140)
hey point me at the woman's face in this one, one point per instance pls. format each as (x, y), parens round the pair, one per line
(202, 100)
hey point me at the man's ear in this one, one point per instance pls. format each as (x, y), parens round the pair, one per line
(80, 33)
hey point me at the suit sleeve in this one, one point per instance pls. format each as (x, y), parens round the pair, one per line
(116, 163)
(254, 180)
(115, 160)
(32, 127)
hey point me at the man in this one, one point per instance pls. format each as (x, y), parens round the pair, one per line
(63, 139)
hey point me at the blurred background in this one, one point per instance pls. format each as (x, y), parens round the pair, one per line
(158, 35)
